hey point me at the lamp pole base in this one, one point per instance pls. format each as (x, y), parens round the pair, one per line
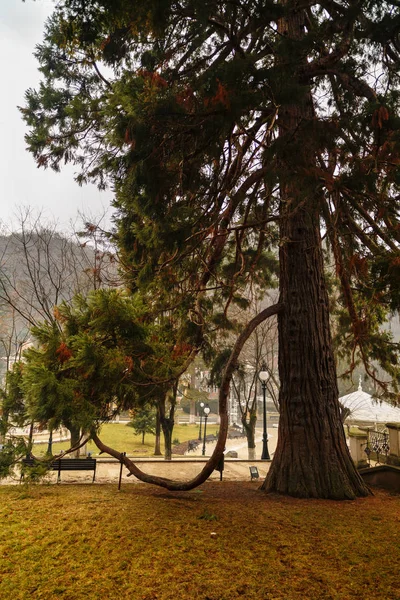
(265, 454)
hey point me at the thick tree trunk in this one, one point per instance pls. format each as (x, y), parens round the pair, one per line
(311, 458)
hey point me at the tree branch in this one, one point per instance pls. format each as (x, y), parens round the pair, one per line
(214, 459)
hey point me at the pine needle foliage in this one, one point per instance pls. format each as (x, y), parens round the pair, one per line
(178, 106)
(96, 361)
(228, 130)
(143, 420)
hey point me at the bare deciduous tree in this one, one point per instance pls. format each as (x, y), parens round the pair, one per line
(41, 267)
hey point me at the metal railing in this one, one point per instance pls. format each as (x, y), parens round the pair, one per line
(377, 447)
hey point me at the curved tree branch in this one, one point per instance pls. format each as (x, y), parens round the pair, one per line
(214, 459)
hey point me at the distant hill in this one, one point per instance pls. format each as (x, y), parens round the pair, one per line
(38, 270)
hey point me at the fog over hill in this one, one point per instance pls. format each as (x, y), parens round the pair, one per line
(39, 268)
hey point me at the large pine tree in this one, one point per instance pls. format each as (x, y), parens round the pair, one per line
(228, 129)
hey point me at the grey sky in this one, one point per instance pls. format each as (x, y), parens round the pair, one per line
(21, 182)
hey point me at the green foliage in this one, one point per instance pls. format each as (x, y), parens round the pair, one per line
(99, 358)
(13, 449)
(13, 409)
(132, 110)
(35, 473)
(191, 123)
(13, 412)
(218, 366)
(144, 421)
(86, 364)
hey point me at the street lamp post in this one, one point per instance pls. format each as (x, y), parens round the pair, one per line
(264, 376)
(206, 413)
(201, 418)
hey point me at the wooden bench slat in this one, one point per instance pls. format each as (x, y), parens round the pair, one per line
(65, 464)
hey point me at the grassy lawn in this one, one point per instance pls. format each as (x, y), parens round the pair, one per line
(91, 542)
(123, 438)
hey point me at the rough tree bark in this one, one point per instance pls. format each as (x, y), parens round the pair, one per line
(311, 458)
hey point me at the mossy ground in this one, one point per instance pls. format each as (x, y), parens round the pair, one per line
(90, 541)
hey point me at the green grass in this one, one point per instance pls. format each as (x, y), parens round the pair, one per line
(143, 543)
(122, 438)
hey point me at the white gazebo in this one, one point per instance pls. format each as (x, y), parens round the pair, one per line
(364, 408)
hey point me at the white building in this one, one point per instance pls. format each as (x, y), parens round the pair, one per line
(364, 408)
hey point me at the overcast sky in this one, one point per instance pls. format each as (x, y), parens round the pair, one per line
(21, 182)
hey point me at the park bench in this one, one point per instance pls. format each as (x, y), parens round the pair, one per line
(193, 444)
(232, 435)
(64, 464)
(254, 473)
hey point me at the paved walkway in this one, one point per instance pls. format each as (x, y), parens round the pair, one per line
(239, 445)
(181, 469)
